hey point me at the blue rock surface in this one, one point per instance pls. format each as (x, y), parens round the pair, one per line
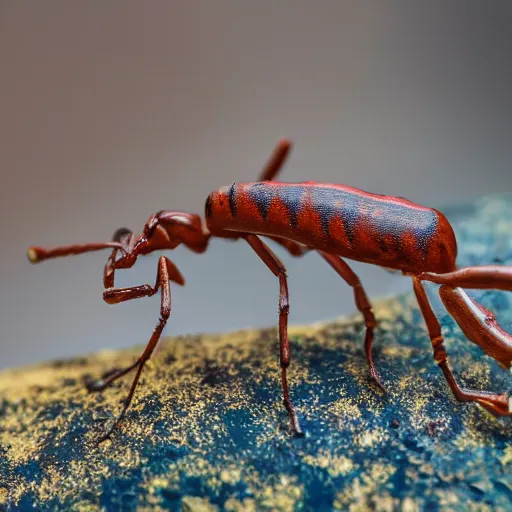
(207, 430)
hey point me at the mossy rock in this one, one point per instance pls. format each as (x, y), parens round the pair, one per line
(207, 430)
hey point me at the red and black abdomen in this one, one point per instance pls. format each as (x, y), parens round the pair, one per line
(386, 231)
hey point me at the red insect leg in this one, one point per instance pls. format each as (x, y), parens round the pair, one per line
(116, 295)
(478, 324)
(276, 161)
(363, 305)
(278, 269)
(494, 403)
(484, 277)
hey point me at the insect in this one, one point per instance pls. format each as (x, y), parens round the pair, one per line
(336, 221)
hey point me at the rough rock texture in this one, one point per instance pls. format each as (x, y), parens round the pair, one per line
(208, 432)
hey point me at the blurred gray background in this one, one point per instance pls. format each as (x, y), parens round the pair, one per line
(110, 111)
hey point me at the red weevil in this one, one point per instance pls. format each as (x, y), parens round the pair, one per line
(338, 222)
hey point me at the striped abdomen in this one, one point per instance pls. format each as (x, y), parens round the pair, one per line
(386, 231)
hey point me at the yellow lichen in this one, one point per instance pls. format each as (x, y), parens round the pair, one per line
(234, 505)
(345, 409)
(410, 505)
(195, 504)
(335, 465)
(371, 438)
(230, 475)
(507, 456)
(356, 496)
(283, 496)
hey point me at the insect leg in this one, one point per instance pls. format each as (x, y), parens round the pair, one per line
(493, 277)
(127, 239)
(116, 295)
(276, 161)
(494, 403)
(278, 269)
(363, 305)
(294, 248)
(478, 324)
